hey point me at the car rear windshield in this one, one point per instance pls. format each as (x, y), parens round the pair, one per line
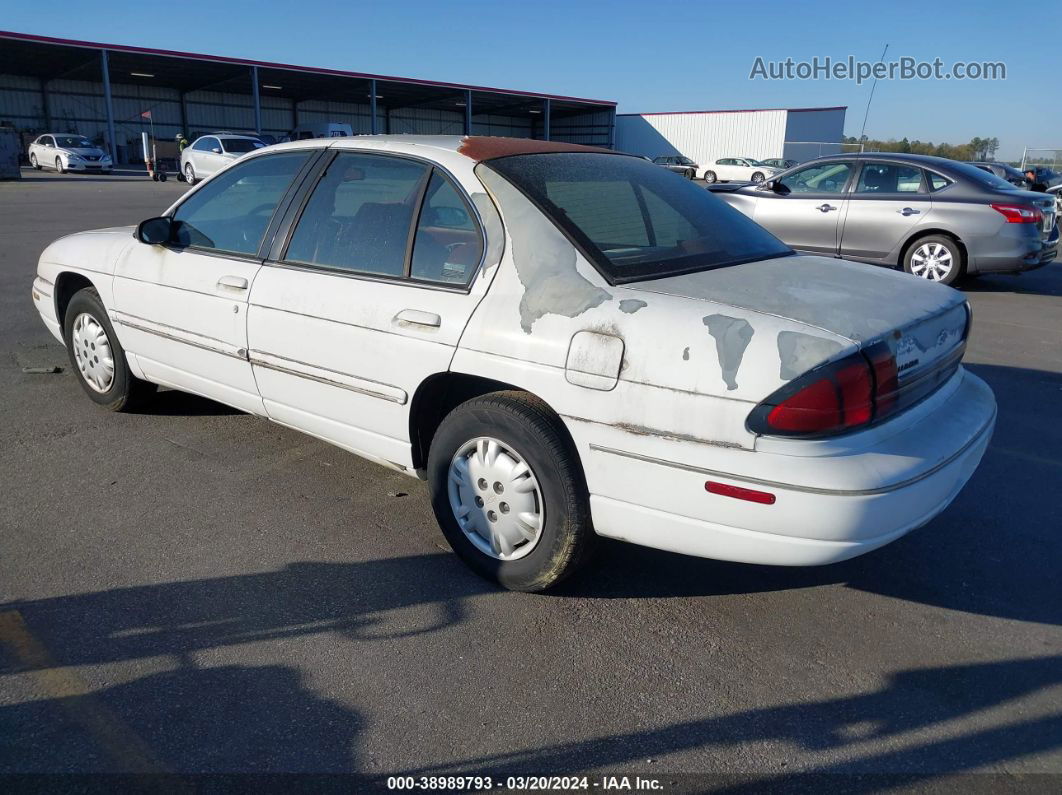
(240, 145)
(981, 177)
(636, 221)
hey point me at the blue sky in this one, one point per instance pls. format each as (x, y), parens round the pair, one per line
(647, 56)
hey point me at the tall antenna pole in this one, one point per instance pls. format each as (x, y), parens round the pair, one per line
(871, 99)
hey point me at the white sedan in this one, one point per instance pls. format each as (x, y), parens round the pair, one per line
(211, 153)
(63, 152)
(738, 169)
(565, 342)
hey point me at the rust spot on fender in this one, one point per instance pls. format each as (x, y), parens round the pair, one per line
(486, 147)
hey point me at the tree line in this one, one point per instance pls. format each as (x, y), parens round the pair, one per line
(976, 149)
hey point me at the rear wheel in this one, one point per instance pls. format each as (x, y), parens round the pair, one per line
(97, 356)
(710, 177)
(935, 258)
(508, 491)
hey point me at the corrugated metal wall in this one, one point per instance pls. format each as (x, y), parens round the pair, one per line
(591, 129)
(704, 137)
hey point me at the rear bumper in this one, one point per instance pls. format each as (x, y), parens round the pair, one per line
(1012, 251)
(831, 503)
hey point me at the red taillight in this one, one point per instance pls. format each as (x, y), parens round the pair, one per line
(837, 397)
(1019, 213)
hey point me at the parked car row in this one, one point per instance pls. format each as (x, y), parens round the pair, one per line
(563, 341)
(938, 219)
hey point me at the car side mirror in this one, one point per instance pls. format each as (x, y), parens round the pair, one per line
(155, 231)
(216, 150)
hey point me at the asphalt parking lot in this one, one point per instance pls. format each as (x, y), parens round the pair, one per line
(193, 589)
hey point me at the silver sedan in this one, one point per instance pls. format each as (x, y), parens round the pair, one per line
(935, 218)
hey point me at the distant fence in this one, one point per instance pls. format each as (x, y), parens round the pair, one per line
(1052, 158)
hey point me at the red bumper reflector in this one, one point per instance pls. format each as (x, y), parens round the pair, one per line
(726, 490)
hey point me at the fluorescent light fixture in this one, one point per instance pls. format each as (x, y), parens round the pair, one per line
(461, 104)
(141, 74)
(534, 111)
(275, 88)
(378, 96)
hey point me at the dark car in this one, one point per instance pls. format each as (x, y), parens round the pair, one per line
(1003, 171)
(678, 164)
(778, 162)
(938, 219)
(1047, 176)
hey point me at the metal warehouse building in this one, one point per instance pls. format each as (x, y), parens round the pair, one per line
(707, 135)
(104, 92)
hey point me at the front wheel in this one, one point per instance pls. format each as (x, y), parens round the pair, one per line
(757, 178)
(98, 357)
(710, 177)
(189, 174)
(508, 491)
(59, 166)
(689, 173)
(935, 258)
(34, 163)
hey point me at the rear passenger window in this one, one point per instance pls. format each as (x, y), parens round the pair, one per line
(936, 181)
(448, 245)
(889, 178)
(359, 215)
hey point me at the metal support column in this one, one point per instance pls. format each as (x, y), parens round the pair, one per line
(468, 112)
(187, 133)
(109, 104)
(257, 101)
(372, 107)
(45, 105)
(612, 129)
(545, 120)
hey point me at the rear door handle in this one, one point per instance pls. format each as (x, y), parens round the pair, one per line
(232, 283)
(825, 208)
(417, 317)
(908, 211)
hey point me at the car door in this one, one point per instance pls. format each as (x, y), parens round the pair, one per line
(803, 208)
(722, 169)
(46, 152)
(365, 298)
(887, 202)
(181, 308)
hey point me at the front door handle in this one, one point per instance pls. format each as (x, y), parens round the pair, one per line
(825, 208)
(417, 317)
(232, 283)
(908, 211)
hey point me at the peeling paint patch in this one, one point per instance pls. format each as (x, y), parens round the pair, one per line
(799, 352)
(686, 354)
(631, 305)
(732, 335)
(641, 430)
(545, 261)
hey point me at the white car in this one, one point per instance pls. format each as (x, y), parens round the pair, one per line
(210, 153)
(64, 152)
(563, 341)
(740, 169)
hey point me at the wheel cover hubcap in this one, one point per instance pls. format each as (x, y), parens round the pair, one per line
(496, 499)
(92, 352)
(932, 261)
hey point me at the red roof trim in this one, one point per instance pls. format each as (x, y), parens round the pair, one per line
(739, 110)
(5, 34)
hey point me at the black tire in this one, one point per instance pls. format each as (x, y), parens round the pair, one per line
(689, 173)
(34, 163)
(710, 178)
(527, 425)
(59, 166)
(162, 176)
(189, 173)
(757, 178)
(958, 262)
(126, 392)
